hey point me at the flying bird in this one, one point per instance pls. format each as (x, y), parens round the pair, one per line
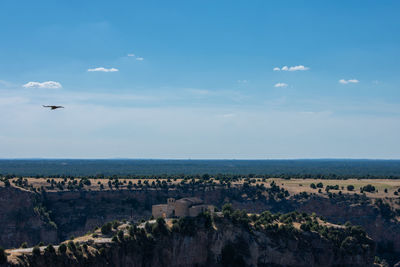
(53, 107)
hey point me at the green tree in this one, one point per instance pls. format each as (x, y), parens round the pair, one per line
(36, 251)
(160, 227)
(120, 235)
(106, 228)
(62, 248)
(50, 249)
(206, 176)
(350, 187)
(71, 245)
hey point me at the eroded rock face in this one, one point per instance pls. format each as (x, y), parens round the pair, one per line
(76, 213)
(20, 221)
(365, 214)
(226, 245)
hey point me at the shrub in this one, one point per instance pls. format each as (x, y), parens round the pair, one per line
(115, 224)
(62, 248)
(148, 227)
(106, 229)
(24, 245)
(36, 251)
(71, 245)
(160, 228)
(132, 230)
(350, 187)
(50, 249)
(313, 186)
(120, 235)
(320, 185)
(305, 227)
(368, 188)
(186, 226)
(227, 209)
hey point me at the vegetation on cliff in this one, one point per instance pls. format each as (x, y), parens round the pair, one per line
(229, 238)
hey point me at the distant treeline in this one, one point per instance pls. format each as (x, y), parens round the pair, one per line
(324, 169)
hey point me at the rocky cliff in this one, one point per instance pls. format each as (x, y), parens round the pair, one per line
(22, 218)
(53, 217)
(229, 240)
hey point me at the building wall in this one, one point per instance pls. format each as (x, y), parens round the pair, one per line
(160, 211)
(182, 208)
(196, 210)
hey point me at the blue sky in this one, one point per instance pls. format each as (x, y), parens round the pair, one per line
(196, 79)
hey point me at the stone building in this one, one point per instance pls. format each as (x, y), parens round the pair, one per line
(191, 206)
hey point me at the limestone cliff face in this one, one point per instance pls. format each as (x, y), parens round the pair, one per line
(52, 217)
(358, 213)
(226, 245)
(20, 221)
(76, 213)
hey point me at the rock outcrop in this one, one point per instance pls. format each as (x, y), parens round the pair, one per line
(221, 242)
(23, 219)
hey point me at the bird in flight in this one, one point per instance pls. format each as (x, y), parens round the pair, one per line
(53, 107)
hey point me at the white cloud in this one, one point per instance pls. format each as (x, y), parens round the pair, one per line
(47, 85)
(293, 68)
(299, 67)
(278, 85)
(131, 55)
(140, 58)
(101, 69)
(343, 81)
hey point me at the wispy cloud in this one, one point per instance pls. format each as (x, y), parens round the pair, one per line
(281, 85)
(343, 81)
(101, 69)
(140, 58)
(242, 81)
(47, 85)
(293, 68)
(131, 55)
